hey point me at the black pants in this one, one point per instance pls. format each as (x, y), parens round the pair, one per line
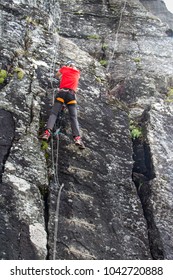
(67, 97)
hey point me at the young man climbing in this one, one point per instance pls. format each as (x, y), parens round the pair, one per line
(69, 77)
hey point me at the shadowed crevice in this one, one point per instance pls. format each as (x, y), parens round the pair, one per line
(143, 173)
(7, 128)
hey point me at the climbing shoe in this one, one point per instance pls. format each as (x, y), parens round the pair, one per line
(46, 135)
(78, 142)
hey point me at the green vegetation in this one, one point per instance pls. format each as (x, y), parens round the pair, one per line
(170, 92)
(136, 133)
(3, 75)
(100, 79)
(169, 95)
(30, 20)
(135, 130)
(41, 123)
(137, 59)
(103, 62)
(104, 46)
(44, 145)
(1, 80)
(20, 73)
(93, 36)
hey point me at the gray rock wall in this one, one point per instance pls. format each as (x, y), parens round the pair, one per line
(159, 9)
(116, 202)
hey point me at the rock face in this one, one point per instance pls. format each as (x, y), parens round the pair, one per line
(114, 199)
(159, 9)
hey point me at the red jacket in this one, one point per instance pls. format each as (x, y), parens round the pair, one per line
(70, 77)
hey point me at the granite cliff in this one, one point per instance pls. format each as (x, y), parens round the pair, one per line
(117, 195)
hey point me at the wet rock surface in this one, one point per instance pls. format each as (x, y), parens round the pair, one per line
(116, 200)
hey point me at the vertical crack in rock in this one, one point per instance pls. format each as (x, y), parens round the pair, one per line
(45, 192)
(45, 197)
(32, 103)
(46, 218)
(6, 138)
(143, 173)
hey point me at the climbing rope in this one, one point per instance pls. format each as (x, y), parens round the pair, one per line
(57, 221)
(57, 184)
(117, 33)
(55, 155)
(56, 180)
(55, 162)
(56, 45)
(52, 70)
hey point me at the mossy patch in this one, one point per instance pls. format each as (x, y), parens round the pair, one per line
(32, 21)
(135, 130)
(169, 95)
(93, 36)
(1, 80)
(137, 59)
(103, 62)
(44, 145)
(20, 73)
(104, 46)
(3, 75)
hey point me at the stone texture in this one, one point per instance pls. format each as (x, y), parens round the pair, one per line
(116, 202)
(158, 8)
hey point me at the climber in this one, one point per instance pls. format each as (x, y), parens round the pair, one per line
(69, 76)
